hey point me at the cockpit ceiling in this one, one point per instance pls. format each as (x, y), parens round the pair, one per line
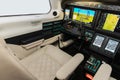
(110, 2)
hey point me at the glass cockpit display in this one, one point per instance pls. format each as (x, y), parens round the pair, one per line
(111, 45)
(83, 15)
(105, 45)
(67, 14)
(109, 21)
(98, 41)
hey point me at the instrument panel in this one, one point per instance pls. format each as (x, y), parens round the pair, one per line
(107, 21)
(105, 45)
(98, 27)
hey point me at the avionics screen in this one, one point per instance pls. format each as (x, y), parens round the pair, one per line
(98, 41)
(111, 45)
(110, 21)
(67, 14)
(83, 15)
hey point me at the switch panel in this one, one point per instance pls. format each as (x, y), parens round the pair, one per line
(92, 65)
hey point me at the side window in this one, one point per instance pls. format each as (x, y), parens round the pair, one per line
(22, 7)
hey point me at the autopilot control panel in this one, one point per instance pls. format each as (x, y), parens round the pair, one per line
(92, 64)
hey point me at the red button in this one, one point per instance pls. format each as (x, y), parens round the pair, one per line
(89, 76)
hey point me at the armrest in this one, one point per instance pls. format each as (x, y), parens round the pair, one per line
(103, 72)
(65, 43)
(67, 69)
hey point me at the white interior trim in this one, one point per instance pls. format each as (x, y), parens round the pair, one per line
(19, 25)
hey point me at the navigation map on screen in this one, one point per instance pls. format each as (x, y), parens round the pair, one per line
(98, 41)
(111, 45)
(111, 22)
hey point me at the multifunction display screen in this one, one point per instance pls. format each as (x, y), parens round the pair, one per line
(111, 45)
(111, 22)
(98, 41)
(67, 14)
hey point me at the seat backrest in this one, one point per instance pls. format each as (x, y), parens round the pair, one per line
(10, 67)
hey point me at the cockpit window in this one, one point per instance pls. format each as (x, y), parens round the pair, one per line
(23, 7)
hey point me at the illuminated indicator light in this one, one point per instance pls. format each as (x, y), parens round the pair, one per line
(89, 76)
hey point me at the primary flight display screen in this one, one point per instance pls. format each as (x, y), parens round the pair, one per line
(109, 21)
(111, 45)
(98, 41)
(83, 15)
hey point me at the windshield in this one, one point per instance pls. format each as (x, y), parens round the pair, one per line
(20, 7)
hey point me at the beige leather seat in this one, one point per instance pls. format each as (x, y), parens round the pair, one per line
(44, 64)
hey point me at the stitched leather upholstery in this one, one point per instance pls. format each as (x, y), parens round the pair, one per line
(43, 64)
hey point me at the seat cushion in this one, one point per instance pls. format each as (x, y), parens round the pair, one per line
(43, 64)
(57, 54)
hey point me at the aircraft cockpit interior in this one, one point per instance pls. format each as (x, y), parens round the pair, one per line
(60, 40)
(95, 29)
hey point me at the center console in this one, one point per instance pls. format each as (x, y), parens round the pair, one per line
(91, 67)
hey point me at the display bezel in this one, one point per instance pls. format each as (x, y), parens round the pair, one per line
(97, 42)
(102, 21)
(116, 49)
(67, 15)
(86, 12)
(116, 31)
(70, 8)
(96, 48)
(102, 50)
(95, 18)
